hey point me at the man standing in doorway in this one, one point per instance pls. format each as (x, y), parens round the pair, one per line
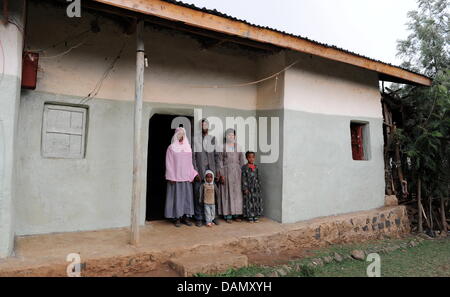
(203, 160)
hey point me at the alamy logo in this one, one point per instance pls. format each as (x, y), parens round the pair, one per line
(374, 268)
(74, 8)
(74, 268)
(257, 134)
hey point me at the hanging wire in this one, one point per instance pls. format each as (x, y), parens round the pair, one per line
(242, 84)
(66, 40)
(99, 84)
(72, 37)
(65, 52)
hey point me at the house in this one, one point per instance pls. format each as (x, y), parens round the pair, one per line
(66, 134)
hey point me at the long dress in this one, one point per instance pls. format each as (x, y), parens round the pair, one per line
(179, 200)
(230, 193)
(203, 160)
(253, 204)
(180, 173)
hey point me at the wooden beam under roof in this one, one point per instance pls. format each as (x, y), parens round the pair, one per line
(204, 20)
(219, 38)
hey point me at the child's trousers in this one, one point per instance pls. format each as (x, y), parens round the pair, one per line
(210, 213)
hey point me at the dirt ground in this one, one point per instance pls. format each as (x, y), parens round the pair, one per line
(108, 252)
(257, 259)
(413, 255)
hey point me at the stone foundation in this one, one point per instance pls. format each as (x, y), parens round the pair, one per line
(275, 239)
(207, 263)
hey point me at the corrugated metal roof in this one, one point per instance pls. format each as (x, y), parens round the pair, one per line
(220, 14)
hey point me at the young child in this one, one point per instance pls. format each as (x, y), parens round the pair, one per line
(251, 188)
(208, 195)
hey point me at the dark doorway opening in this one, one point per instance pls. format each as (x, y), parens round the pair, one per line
(159, 138)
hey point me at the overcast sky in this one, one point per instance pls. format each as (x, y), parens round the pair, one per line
(367, 27)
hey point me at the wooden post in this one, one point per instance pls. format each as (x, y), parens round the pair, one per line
(443, 218)
(398, 160)
(137, 154)
(430, 200)
(419, 204)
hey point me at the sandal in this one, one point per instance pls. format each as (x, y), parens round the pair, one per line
(177, 223)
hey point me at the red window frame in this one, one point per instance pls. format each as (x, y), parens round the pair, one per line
(357, 140)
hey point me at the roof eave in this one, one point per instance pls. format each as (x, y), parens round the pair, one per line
(196, 18)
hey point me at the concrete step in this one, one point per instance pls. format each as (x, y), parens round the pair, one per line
(209, 263)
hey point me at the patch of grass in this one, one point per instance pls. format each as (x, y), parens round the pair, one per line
(305, 271)
(431, 258)
(345, 249)
(242, 272)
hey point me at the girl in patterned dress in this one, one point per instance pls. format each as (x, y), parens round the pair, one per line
(251, 189)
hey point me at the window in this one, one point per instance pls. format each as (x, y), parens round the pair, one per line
(63, 131)
(360, 141)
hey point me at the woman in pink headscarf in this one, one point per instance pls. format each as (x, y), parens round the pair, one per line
(180, 173)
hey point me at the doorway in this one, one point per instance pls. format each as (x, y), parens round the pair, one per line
(159, 138)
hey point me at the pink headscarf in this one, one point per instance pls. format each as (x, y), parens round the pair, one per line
(179, 167)
(178, 146)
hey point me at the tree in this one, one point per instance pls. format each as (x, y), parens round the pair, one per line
(424, 137)
(426, 50)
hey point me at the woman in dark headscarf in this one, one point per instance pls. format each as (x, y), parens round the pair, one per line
(230, 160)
